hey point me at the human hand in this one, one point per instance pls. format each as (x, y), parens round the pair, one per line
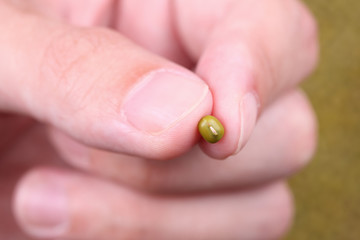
(192, 197)
(85, 99)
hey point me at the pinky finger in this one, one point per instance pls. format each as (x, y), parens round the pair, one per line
(60, 204)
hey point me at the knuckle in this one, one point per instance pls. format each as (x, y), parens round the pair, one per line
(156, 177)
(310, 26)
(310, 36)
(145, 175)
(306, 20)
(68, 62)
(64, 53)
(304, 122)
(277, 220)
(69, 150)
(152, 178)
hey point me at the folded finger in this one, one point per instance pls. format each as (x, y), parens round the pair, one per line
(283, 142)
(58, 204)
(249, 53)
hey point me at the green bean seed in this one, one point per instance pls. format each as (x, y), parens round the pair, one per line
(211, 129)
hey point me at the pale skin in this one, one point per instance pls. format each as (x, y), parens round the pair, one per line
(85, 78)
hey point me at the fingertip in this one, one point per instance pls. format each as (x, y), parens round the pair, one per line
(164, 113)
(237, 106)
(237, 129)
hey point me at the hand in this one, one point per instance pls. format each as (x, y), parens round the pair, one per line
(89, 87)
(195, 197)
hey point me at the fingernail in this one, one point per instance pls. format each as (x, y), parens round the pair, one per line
(44, 208)
(161, 99)
(249, 106)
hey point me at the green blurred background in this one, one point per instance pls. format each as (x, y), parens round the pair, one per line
(327, 192)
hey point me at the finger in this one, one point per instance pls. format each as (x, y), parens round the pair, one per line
(283, 142)
(96, 12)
(98, 87)
(9, 229)
(249, 53)
(154, 30)
(26, 148)
(59, 204)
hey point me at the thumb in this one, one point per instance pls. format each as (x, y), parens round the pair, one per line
(98, 87)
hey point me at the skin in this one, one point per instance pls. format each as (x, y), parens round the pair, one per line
(64, 107)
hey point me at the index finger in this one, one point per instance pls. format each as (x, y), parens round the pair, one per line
(249, 52)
